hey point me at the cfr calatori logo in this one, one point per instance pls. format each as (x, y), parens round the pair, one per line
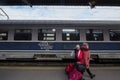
(45, 45)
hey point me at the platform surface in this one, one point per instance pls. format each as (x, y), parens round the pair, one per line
(54, 73)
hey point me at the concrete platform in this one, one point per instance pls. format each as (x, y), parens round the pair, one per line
(54, 73)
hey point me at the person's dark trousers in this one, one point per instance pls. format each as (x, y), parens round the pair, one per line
(90, 74)
(88, 71)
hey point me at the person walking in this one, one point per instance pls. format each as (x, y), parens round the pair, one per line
(79, 60)
(86, 52)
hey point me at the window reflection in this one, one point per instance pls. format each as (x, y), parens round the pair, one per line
(47, 34)
(114, 35)
(94, 35)
(70, 35)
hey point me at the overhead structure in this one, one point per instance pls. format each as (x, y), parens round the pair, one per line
(4, 13)
(60, 2)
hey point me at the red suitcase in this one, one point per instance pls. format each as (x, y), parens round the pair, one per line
(69, 68)
(75, 75)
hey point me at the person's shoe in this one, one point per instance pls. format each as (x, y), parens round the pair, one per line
(92, 76)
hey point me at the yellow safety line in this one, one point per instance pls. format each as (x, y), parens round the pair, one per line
(51, 68)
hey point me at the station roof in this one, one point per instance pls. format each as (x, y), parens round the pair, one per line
(60, 2)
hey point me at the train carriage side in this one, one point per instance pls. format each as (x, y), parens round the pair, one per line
(51, 41)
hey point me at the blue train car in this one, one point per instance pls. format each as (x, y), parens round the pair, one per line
(55, 40)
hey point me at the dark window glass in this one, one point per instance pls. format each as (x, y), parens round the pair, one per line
(3, 35)
(114, 35)
(23, 34)
(70, 35)
(47, 34)
(94, 35)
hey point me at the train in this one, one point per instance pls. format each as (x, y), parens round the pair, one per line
(56, 39)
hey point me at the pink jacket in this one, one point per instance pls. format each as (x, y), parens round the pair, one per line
(86, 53)
(80, 57)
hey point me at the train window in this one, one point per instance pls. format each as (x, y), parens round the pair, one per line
(3, 35)
(47, 34)
(23, 34)
(94, 35)
(70, 35)
(114, 35)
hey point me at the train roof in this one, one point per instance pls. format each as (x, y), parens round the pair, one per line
(60, 22)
